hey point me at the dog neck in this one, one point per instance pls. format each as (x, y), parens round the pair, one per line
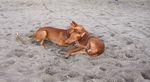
(85, 37)
(67, 35)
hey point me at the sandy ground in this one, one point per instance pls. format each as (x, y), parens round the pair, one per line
(124, 26)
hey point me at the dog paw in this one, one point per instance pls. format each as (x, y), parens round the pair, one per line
(61, 52)
(66, 56)
(76, 45)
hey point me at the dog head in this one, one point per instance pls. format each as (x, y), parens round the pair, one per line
(76, 32)
(74, 36)
(74, 27)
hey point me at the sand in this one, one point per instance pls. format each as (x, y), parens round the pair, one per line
(124, 25)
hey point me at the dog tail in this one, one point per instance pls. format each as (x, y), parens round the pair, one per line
(19, 38)
(24, 40)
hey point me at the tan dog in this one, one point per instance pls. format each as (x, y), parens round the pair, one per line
(87, 43)
(55, 35)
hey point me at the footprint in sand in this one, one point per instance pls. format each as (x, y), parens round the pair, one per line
(7, 63)
(88, 78)
(73, 74)
(18, 52)
(50, 71)
(146, 74)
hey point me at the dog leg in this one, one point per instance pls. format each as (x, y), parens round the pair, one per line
(72, 51)
(42, 43)
(80, 45)
(78, 52)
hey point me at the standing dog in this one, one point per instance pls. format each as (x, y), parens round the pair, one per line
(87, 43)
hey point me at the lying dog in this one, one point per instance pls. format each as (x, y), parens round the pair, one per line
(56, 35)
(87, 43)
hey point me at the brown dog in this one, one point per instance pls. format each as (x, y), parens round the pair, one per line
(55, 35)
(58, 36)
(87, 43)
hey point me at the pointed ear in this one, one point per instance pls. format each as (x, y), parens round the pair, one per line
(74, 23)
(82, 34)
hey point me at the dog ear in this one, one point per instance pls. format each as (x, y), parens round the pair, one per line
(82, 34)
(74, 23)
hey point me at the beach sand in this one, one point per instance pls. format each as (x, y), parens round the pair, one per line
(124, 25)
